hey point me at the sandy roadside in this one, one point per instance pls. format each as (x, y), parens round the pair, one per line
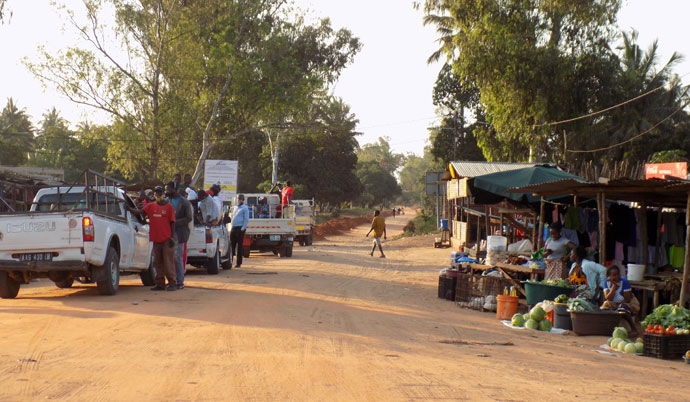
(331, 323)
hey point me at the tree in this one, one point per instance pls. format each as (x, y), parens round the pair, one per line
(379, 185)
(381, 153)
(413, 176)
(3, 11)
(16, 135)
(323, 156)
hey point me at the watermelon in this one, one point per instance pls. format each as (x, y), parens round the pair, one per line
(518, 320)
(545, 325)
(620, 332)
(531, 324)
(537, 314)
(630, 348)
(639, 347)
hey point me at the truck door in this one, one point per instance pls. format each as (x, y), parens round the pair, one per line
(140, 239)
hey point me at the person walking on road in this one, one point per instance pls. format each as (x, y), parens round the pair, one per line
(162, 233)
(240, 219)
(183, 215)
(393, 213)
(378, 226)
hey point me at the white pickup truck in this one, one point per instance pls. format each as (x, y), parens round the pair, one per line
(75, 232)
(271, 227)
(304, 217)
(209, 248)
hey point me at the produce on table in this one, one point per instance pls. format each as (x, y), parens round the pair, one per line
(532, 324)
(639, 340)
(615, 342)
(537, 314)
(610, 340)
(518, 320)
(578, 304)
(630, 348)
(545, 325)
(620, 332)
(639, 347)
(687, 354)
(561, 299)
(668, 315)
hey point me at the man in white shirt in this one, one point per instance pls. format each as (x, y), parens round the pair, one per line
(209, 208)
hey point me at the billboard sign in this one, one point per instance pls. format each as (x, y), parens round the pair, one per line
(223, 173)
(661, 170)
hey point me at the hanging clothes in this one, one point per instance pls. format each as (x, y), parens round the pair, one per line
(570, 235)
(676, 256)
(592, 220)
(572, 219)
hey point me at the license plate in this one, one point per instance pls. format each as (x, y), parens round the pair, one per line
(275, 237)
(36, 257)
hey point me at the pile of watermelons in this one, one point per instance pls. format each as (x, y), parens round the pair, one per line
(535, 319)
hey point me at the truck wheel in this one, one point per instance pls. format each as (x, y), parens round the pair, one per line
(9, 288)
(109, 286)
(282, 252)
(213, 265)
(227, 264)
(65, 283)
(288, 251)
(245, 252)
(148, 277)
(301, 241)
(310, 239)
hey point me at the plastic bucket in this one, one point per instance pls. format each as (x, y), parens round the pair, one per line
(496, 243)
(444, 224)
(506, 307)
(561, 317)
(636, 272)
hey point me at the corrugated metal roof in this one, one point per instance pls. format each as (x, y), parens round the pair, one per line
(474, 169)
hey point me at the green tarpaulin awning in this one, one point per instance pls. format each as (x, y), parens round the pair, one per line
(499, 183)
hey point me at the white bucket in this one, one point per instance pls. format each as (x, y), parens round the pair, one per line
(636, 272)
(496, 243)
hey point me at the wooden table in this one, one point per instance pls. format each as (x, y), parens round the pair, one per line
(504, 269)
(649, 285)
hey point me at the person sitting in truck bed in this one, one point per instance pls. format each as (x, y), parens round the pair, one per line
(208, 208)
(263, 208)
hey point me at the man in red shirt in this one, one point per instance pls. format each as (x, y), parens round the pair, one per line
(286, 193)
(162, 233)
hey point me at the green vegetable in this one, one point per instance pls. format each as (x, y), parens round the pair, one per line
(537, 314)
(668, 314)
(561, 299)
(518, 320)
(630, 348)
(531, 324)
(579, 305)
(620, 332)
(561, 283)
(545, 325)
(639, 347)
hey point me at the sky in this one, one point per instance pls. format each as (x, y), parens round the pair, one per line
(388, 86)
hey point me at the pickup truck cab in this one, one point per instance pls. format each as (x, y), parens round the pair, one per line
(271, 227)
(75, 232)
(304, 218)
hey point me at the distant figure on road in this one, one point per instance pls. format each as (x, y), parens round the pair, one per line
(393, 213)
(378, 225)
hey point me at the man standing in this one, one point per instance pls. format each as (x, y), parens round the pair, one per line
(183, 215)
(208, 208)
(162, 233)
(277, 189)
(240, 219)
(287, 193)
(215, 193)
(378, 225)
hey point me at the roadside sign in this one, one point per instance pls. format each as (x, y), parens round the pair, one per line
(223, 173)
(433, 187)
(661, 170)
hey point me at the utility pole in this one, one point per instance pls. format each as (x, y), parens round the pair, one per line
(276, 154)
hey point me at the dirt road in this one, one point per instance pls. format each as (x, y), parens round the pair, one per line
(331, 323)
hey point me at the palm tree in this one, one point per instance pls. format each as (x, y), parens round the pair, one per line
(16, 135)
(436, 14)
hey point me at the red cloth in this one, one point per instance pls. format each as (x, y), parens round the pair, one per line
(160, 217)
(286, 195)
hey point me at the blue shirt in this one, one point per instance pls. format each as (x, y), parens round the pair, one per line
(240, 216)
(623, 286)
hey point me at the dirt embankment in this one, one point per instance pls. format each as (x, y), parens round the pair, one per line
(341, 225)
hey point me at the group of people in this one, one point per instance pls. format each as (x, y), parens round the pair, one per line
(399, 211)
(595, 282)
(172, 212)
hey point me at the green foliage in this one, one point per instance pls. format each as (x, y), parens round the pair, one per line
(16, 135)
(420, 225)
(413, 174)
(381, 153)
(672, 155)
(379, 185)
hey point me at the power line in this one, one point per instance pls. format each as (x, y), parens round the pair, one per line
(633, 138)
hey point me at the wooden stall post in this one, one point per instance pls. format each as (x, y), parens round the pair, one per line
(601, 198)
(540, 235)
(645, 237)
(487, 211)
(479, 232)
(657, 257)
(686, 262)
